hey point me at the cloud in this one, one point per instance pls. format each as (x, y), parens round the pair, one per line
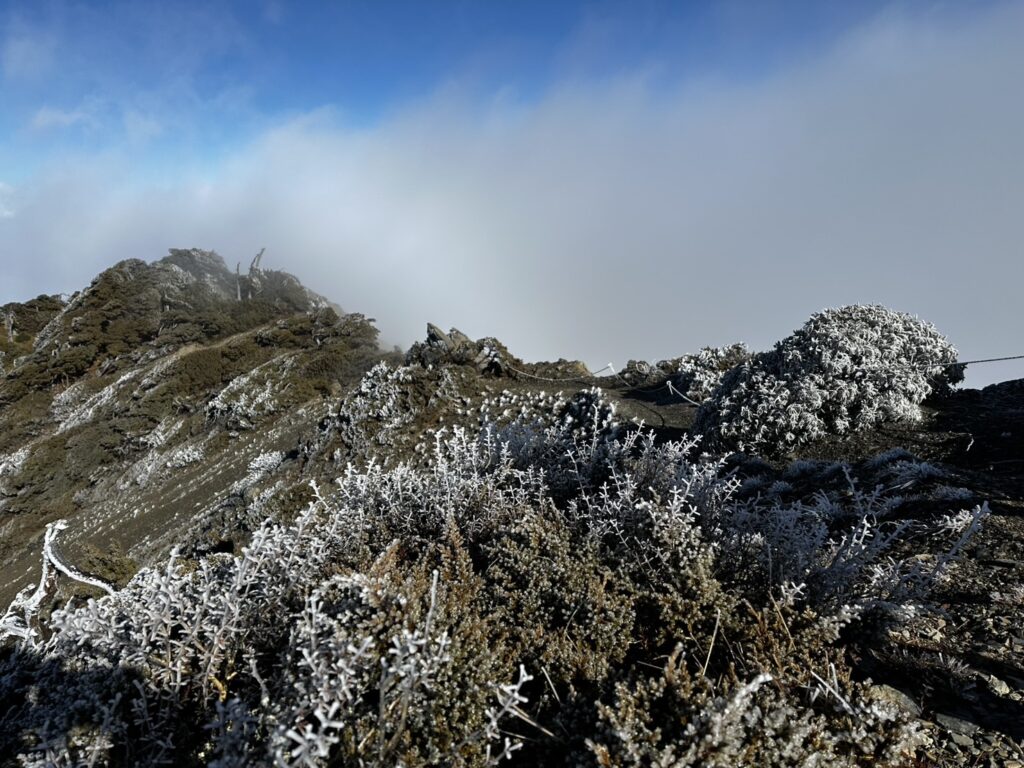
(614, 219)
(27, 54)
(139, 127)
(52, 118)
(6, 201)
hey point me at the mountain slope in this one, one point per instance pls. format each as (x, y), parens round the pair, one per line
(368, 545)
(138, 403)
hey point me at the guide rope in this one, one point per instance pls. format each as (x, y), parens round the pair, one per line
(645, 368)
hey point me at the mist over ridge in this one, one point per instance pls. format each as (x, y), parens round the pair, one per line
(606, 218)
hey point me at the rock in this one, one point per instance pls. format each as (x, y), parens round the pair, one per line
(999, 686)
(963, 740)
(956, 726)
(486, 355)
(896, 698)
(437, 337)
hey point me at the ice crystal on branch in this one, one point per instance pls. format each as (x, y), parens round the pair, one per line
(845, 370)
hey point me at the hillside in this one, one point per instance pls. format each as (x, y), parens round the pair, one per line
(133, 407)
(326, 553)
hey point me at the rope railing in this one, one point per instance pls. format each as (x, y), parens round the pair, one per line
(648, 368)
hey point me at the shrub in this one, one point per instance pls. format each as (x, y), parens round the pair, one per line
(845, 370)
(387, 622)
(679, 719)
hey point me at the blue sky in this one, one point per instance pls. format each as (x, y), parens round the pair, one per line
(173, 82)
(597, 180)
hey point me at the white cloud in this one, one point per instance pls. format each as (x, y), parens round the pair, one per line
(27, 54)
(616, 220)
(6, 201)
(53, 118)
(139, 127)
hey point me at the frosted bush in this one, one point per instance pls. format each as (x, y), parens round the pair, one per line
(259, 468)
(385, 624)
(693, 376)
(697, 375)
(69, 400)
(245, 400)
(163, 432)
(845, 370)
(13, 463)
(377, 410)
(574, 443)
(184, 456)
(200, 661)
(75, 412)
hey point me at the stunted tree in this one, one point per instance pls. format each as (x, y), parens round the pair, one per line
(253, 278)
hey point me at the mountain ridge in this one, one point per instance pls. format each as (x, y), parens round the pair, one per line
(181, 407)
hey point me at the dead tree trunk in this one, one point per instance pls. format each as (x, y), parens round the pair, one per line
(255, 266)
(9, 325)
(238, 281)
(254, 273)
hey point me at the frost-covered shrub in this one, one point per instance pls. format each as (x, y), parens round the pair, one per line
(697, 375)
(693, 376)
(574, 443)
(679, 719)
(183, 456)
(259, 468)
(11, 464)
(845, 370)
(249, 398)
(377, 410)
(266, 658)
(560, 541)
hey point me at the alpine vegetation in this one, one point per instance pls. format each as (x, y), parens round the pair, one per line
(847, 369)
(559, 590)
(694, 377)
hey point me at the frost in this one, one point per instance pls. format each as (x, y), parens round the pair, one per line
(82, 413)
(163, 432)
(376, 412)
(11, 464)
(183, 456)
(385, 623)
(248, 398)
(260, 467)
(845, 370)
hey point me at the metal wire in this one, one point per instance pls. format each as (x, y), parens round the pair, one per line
(668, 384)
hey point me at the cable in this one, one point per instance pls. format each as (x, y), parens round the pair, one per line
(975, 362)
(675, 391)
(646, 368)
(569, 378)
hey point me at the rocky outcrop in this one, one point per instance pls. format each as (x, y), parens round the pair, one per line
(486, 355)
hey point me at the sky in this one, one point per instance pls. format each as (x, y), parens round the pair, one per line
(601, 181)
